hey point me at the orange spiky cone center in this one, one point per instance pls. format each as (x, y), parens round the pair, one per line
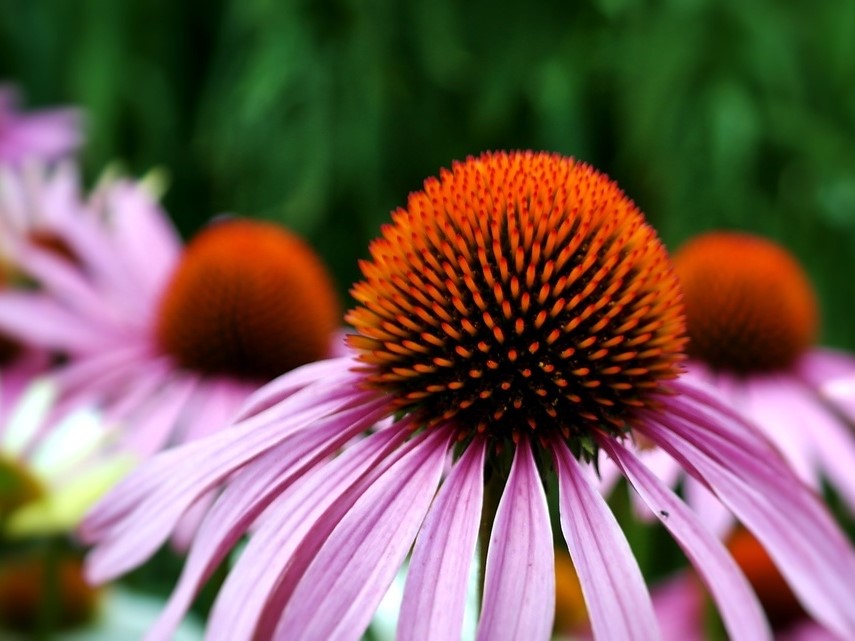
(749, 304)
(780, 604)
(518, 292)
(23, 590)
(249, 299)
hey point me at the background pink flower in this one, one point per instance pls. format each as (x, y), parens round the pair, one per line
(44, 135)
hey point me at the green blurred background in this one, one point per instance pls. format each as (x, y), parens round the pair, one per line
(324, 114)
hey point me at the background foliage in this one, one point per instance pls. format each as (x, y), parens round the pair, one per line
(324, 114)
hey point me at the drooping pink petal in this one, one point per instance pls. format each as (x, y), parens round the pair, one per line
(253, 583)
(215, 403)
(827, 440)
(438, 578)
(42, 323)
(136, 517)
(68, 285)
(741, 611)
(272, 394)
(519, 584)
(771, 407)
(752, 479)
(617, 599)
(144, 233)
(153, 431)
(108, 270)
(91, 372)
(340, 590)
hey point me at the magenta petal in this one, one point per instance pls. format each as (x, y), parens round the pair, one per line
(339, 592)
(741, 611)
(617, 599)
(67, 283)
(153, 429)
(143, 232)
(285, 386)
(294, 513)
(437, 581)
(41, 323)
(519, 585)
(751, 478)
(136, 517)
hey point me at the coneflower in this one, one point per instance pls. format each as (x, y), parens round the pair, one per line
(166, 340)
(514, 320)
(752, 321)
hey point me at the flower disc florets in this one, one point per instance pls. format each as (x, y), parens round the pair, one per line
(248, 299)
(518, 292)
(749, 305)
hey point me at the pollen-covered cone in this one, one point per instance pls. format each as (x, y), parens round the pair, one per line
(166, 340)
(43, 135)
(515, 320)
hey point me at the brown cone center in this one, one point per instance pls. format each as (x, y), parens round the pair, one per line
(749, 305)
(248, 299)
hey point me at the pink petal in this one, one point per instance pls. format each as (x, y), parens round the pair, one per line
(215, 404)
(618, 603)
(94, 371)
(437, 581)
(771, 408)
(341, 589)
(136, 517)
(750, 477)
(151, 432)
(519, 585)
(145, 234)
(42, 323)
(281, 388)
(741, 611)
(286, 523)
(67, 285)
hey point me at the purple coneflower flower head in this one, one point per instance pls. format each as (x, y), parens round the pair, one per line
(167, 340)
(45, 135)
(752, 322)
(517, 318)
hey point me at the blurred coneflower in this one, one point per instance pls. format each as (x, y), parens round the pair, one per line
(167, 340)
(752, 321)
(44, 135)
(515, 319)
